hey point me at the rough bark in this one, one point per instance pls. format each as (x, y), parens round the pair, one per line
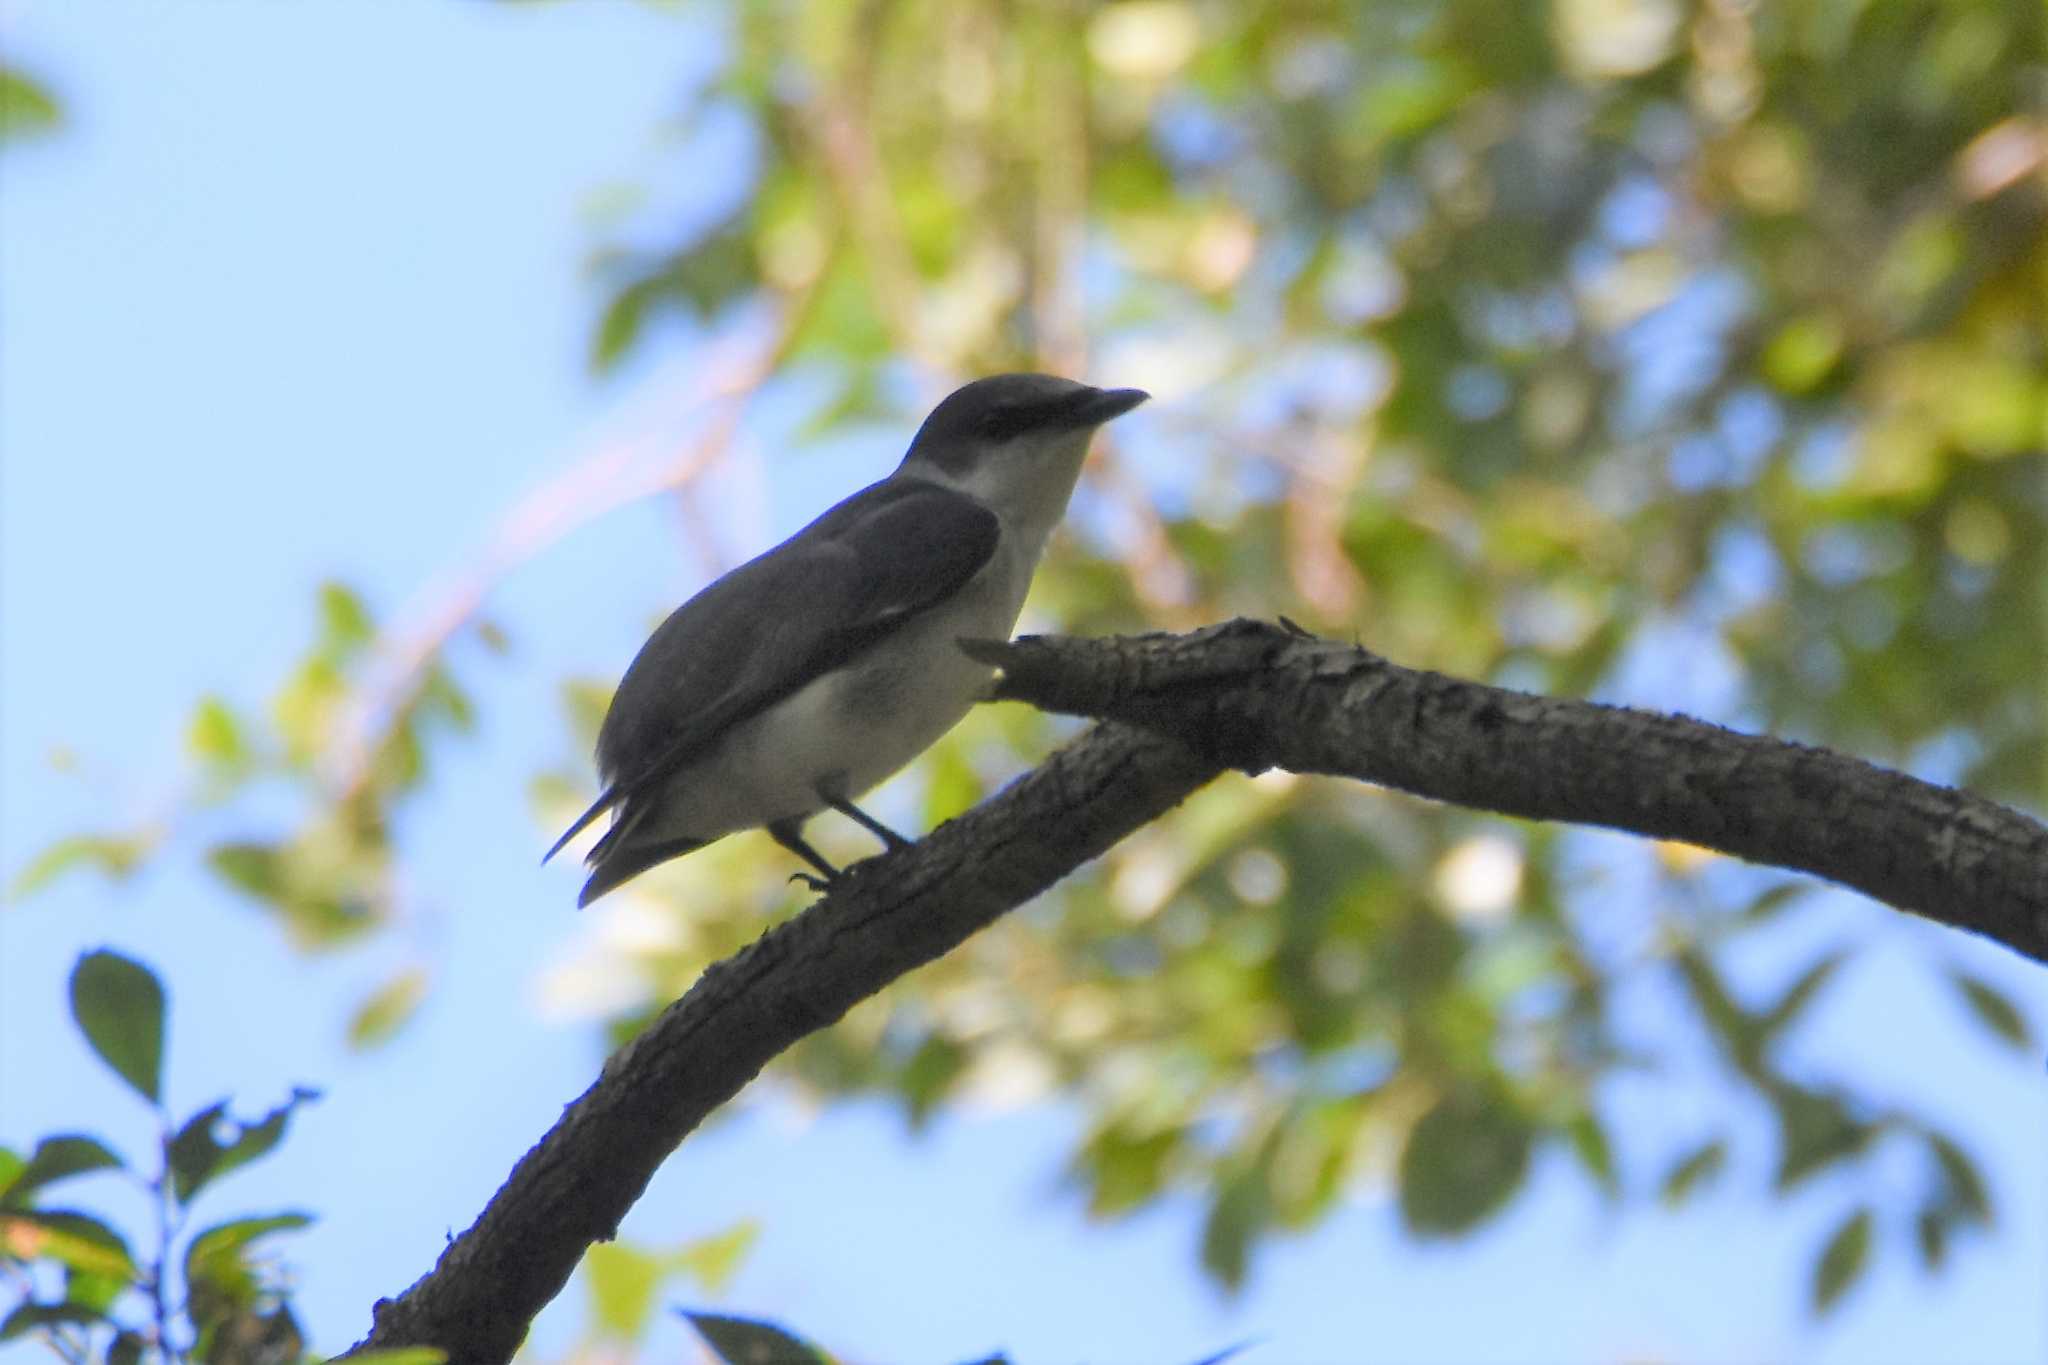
(1178, 710)
(882, 919)
(1256, 696)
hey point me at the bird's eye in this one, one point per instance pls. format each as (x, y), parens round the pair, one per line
(1000, 424)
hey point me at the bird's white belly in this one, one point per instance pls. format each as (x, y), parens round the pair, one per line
(854, 727)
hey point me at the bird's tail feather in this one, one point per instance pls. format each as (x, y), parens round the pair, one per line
(625, 862)
(598, 807)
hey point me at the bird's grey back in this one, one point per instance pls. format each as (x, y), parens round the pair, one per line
(768, 627)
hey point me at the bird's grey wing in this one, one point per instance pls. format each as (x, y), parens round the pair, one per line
(713, 661)
(845, 582)
(914, 545)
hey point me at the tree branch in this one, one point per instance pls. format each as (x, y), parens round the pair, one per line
(1178, 710)
(890, 915)
(1256, 696)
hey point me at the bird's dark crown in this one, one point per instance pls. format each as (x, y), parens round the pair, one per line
(1004, 406)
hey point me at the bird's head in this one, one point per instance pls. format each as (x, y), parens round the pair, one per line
(1015, 441)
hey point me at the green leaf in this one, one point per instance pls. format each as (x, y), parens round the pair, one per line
(1124, 1168)
(387, 1009)
(712, 271)
(1694, 1170)
(198, 1156)
(1241, 1211)
(93, 1289)
(69, 1238)
(746, 1341)
(195, 1151)
(402, 1355)
(119, 1006)
(620, 325)
(441, 698)
(1994, 1009)
(929, 1075)
(214, 735)
(57, 1158)
(305, 707)
(1842, 1261)
(28, 1317)
(1932, 1228)
(842, 323)
(1962, 1183)
(215, 1257)
(1801, 994)
(713, 1260)
(1589, 1143)
(1464, 1159)
(116, 855)
(1773, 901)
(27, 109)
(1740, 1033)
(254, 869)
(623, 1281)
(1409, 96)
(345, 624)
(324, 883)
(1815, 1131)
(699, 279)
(1802, 352)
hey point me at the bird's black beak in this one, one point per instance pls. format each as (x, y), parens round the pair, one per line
(1106, 405)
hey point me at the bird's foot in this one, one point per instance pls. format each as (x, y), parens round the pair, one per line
(785, 832)
(891, 840)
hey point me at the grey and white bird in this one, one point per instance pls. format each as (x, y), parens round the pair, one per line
(805, 677)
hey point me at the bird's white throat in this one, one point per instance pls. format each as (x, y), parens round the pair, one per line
(1026, 482)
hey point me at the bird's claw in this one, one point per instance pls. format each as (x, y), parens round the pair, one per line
(816, 883)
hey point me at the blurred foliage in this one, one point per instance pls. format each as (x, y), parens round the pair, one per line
(1586, 348)
(747, 1341)
(27, 108)
(750, 1341)
(624, 1281)
(73, 1279)
(1692, 353)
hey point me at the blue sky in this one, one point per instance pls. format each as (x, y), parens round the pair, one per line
(294, 295)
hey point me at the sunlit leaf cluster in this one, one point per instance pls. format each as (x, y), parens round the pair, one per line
(93, 1292)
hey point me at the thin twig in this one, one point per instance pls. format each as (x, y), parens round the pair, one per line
(165, 1231)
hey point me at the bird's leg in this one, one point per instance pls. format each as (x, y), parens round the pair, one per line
(891, 840)
(789, 833)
